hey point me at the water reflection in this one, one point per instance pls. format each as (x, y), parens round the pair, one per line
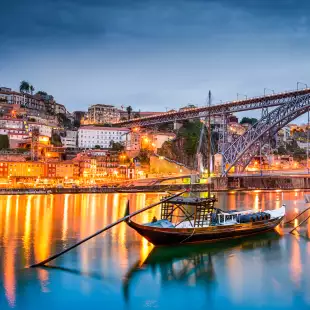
(33, 227)
(195, 265)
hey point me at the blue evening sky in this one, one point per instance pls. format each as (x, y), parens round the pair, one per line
(154, 55)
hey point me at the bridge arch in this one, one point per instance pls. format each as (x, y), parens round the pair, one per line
(243, 149)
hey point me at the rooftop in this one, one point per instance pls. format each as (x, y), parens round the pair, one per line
(103, 128)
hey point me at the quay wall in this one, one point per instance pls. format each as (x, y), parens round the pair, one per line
(85, 190)
(261, 182)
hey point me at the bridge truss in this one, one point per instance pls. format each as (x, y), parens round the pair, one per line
(286, 107)
(263, 103)
(243, 149)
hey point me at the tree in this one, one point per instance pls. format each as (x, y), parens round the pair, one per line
(24, 87)
(56, 140)
(4, 142)
(117, 146)
(248, 120)
(144, 157)
(97, 146)
(129, 111)
(41, 92)
(31, 89)
(191, 106)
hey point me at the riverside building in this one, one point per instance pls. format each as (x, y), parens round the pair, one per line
(92, 136)
(102, 114)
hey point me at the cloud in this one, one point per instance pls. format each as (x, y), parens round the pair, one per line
(153, 54)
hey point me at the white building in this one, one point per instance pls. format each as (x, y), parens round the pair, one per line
(44, 130)
(160, 138)
(12, 123)
(70, 138)
(90, 136)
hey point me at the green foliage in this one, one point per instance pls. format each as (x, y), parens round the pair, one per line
(190, 132)
(76, 123)
(24, 87)
(4, 142)
(282, 150)
(55, 140)
(41, 92)
(144, 157)
(31, 89)
(299, 154)
(190, 106)
(248, 120)
(63, 120)
(129, 111)
(117, 146)
(97, 146)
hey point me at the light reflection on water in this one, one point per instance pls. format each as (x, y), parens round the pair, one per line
(122, 269)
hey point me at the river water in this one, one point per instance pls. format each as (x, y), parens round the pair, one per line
(121, 270)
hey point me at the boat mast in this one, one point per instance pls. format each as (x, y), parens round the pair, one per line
(209, 143)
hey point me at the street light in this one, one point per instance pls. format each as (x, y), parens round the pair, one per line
(238, 94)
(268, 89)
(302, 84)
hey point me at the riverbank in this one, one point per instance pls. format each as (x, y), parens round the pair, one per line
(103, 190)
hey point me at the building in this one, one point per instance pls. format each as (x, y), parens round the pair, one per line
(69, 138)
(14, 129)
(22, 99)
(133, 142)
(91, 136)
(26, 169)
(102, 114)
(158, 139)
(124, 114)
(63, 170)
(79, 115)
(44, 130)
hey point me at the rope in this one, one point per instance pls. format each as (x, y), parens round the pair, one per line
(300, 224)
(297, 216)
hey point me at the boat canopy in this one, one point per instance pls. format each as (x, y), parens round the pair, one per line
(191, 201)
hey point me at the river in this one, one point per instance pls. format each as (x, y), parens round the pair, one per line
(121, 270)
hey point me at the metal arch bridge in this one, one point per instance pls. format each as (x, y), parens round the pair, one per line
(262, 102)
(240, 152)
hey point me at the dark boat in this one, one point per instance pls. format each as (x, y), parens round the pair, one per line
(196, 220)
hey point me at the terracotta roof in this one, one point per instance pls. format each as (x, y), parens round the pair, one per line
(104, 128)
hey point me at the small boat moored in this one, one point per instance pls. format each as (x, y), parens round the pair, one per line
(192, 220)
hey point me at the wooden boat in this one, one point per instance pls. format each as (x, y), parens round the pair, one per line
(195, 220)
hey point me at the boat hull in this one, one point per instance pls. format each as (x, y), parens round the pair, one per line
(169, 236)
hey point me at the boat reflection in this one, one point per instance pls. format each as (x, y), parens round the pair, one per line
(195, 264)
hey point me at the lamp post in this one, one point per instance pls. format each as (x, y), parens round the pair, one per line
(238, 94)
(301, 84)
(269, 90)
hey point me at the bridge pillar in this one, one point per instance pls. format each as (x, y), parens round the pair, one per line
(177, 125)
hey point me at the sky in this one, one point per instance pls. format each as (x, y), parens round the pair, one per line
(154, 55)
